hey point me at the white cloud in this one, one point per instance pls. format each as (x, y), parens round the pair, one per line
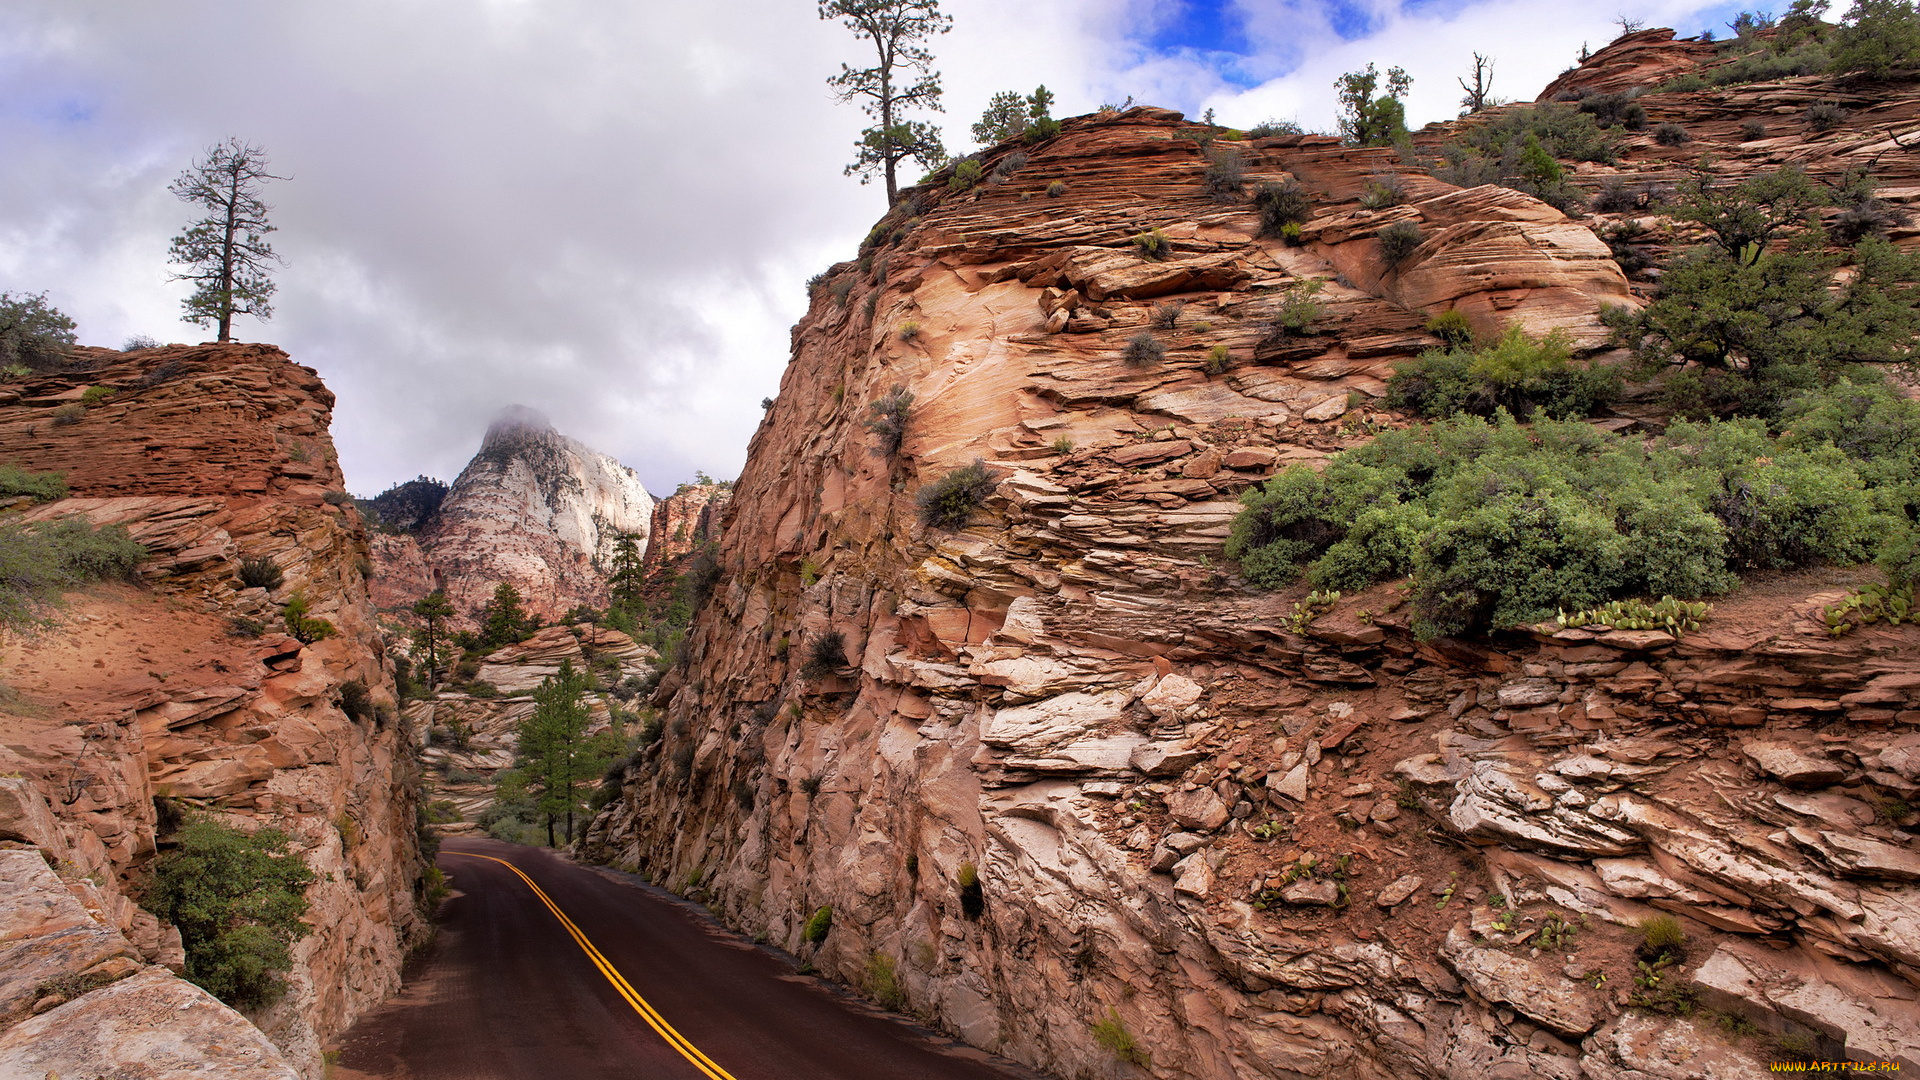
(606, 211)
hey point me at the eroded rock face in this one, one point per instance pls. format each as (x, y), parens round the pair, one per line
(686, 519)
(533, 508)
(1069, 770)
(186, 686)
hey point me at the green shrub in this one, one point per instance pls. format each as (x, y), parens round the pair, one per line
(354, 700)
(1299, 309)
(68, 414)
(1398, 241)
(1452, 327)
(33, 333)
(1281, 205)
(882, 982)
(1056, 189)
(948, 502)
(966, 173)
(1519, 373)
(1752, 130)
(1268, 129)
(1111, 1032)
(94, 395)
(1219, 359)
(1143, 351)
(1677, 617)
(887, 418)
(1662, 933)
(237, 899)
(1671, 135)
(1153, 244)
(1609, 110)
(1501, 525)
(1766, 64)
(40, 561)
(304, 629)
(1825, 116)
(816, 929)
(1877, 38)
(42, 487)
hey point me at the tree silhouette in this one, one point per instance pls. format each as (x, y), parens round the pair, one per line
(226, 252)
(897, 29)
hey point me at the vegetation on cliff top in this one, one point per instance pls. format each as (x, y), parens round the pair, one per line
(1501, 525)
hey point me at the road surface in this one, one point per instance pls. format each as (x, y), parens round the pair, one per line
(571, 974)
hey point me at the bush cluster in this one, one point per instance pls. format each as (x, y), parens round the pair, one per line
(1519, 373)
(1226, 175)
(1143, 351)
(1281, 205)
(237, 899)
(1521, 148)
(887, 418)
(1398, 241)
(34, 335)
(1502, 525)
(948, 502)
(40, 561)
(40, 487)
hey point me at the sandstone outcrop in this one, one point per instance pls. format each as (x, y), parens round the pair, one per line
(684, 520)
(184, 687)
(533, 508)
(1061, 770)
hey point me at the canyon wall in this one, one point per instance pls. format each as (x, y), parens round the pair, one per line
(1096, 806)
(183, 687)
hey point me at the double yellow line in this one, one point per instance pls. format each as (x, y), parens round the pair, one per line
(647, 1012)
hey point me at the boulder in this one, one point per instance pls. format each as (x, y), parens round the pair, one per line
(1793, 765)
(1198, 809)
(1535, 991)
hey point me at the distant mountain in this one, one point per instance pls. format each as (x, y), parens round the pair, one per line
(533, 508)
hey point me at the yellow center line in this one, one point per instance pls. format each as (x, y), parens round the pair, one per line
(647, 1012)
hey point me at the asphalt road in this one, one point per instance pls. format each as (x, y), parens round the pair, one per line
(507, 991)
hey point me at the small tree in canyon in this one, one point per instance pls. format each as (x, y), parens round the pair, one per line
(503, 621)
(558, 762)
(628, 578)
(433, 610)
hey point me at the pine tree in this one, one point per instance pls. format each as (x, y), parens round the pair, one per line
(1366, 120)
(433, 609)
(503, 621)
(226, 252)
(628, 577)
(557, 759)
(897, 29)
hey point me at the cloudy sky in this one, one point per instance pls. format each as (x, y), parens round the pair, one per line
(603, 209)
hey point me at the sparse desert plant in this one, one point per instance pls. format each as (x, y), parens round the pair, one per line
(1398, 241)
(1280, 205)
(827, 655)
(909, 330)
(1226, 176)
(305, 629)
(68, 414)
(966, 173)
(1753, 129)
(40, 561)
(260, 572)
(1383, 191)
(948, 502)
(94, 395)
(1056, 189)
(1166, 316)
(973, 898)
(887, 418)
(1268, 129)
(1111, 1032)
(1299, 308)
(1143, 351)
(1825, 116)
(1152, 244)
(1671, 134)
(1616, 196)
(1662, 934)
(1063, 445)
(882, 983)
(138, 342)
(817, 926)
(354, 700)
(1617, 109)
(1219, 359)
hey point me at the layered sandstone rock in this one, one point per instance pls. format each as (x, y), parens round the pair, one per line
(1061, 770)
(684, 520)
(534, 509)
(186, 687)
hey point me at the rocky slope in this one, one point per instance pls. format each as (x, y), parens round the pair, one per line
(1103, 810)
(184, 687)
(533, 508)
(684, 520)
